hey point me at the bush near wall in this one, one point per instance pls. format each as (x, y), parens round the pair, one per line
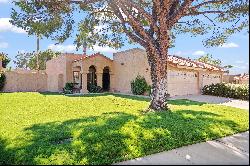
(2, 80)
(236, 91)
(139, 86)
(68, 89)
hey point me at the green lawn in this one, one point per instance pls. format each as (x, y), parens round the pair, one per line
(103, 129)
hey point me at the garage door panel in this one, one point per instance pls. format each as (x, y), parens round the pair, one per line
(182, 83)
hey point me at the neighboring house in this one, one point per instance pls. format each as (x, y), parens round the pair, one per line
(242, 79)
(228, 78)
(236, 79)
(185, 76)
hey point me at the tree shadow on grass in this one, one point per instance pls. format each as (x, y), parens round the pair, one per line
(6, 155)
(116, 136)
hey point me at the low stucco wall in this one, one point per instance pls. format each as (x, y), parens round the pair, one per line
(25, 81)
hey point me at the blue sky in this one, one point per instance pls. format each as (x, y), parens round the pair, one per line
(235, 52)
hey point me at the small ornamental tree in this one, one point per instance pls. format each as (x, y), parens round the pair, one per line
(154, 24)
(4, 58)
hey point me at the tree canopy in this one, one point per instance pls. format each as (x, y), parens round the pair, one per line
(208, 58)
(28, 60)
(108, 22)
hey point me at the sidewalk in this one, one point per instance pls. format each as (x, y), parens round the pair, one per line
(227, 151)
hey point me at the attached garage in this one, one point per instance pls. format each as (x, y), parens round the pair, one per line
(182, 82)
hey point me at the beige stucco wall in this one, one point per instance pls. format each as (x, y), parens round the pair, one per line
(181, 81)
(25, 81)
(127, 65)
(56, 69)
(59, 71)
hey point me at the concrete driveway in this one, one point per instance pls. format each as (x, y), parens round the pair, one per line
(216, 100)
(232, 150)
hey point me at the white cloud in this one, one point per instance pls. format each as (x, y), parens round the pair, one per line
(72, 48)
(199, 53)
(4, 45)
(6, 26)
(105, 49)
(229, 45)
(62, 48)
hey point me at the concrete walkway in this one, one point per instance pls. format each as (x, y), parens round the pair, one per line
(226, 151)
(216, 100)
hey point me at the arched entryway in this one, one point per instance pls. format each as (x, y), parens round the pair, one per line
(91, 77)
(106, 79)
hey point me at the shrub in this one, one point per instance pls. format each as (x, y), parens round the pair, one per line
(139, 85)
(94, 89)
(2, 80)
(68, 89)
(237, 91)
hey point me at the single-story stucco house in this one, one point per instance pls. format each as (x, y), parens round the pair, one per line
(185, 75)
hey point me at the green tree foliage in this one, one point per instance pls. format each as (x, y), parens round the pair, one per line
(43, 57)
(209, 59)
(22, 59)
(28, 60)
(5, 59)
(154, 24)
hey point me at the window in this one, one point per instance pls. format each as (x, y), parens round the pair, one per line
(76, 76)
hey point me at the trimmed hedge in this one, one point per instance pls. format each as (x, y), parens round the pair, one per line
(236, 91)
(2, 81)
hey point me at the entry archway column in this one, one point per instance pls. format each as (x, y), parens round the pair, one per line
(99, 79)
(84, 83)
(112, 82)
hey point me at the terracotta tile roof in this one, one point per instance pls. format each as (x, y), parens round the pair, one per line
(177, 60)
(92, 56)
(98, 54)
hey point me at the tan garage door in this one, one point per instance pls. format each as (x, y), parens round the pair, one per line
(182, 82)
(208, 79)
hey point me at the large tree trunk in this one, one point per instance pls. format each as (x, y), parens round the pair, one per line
(159, 93)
